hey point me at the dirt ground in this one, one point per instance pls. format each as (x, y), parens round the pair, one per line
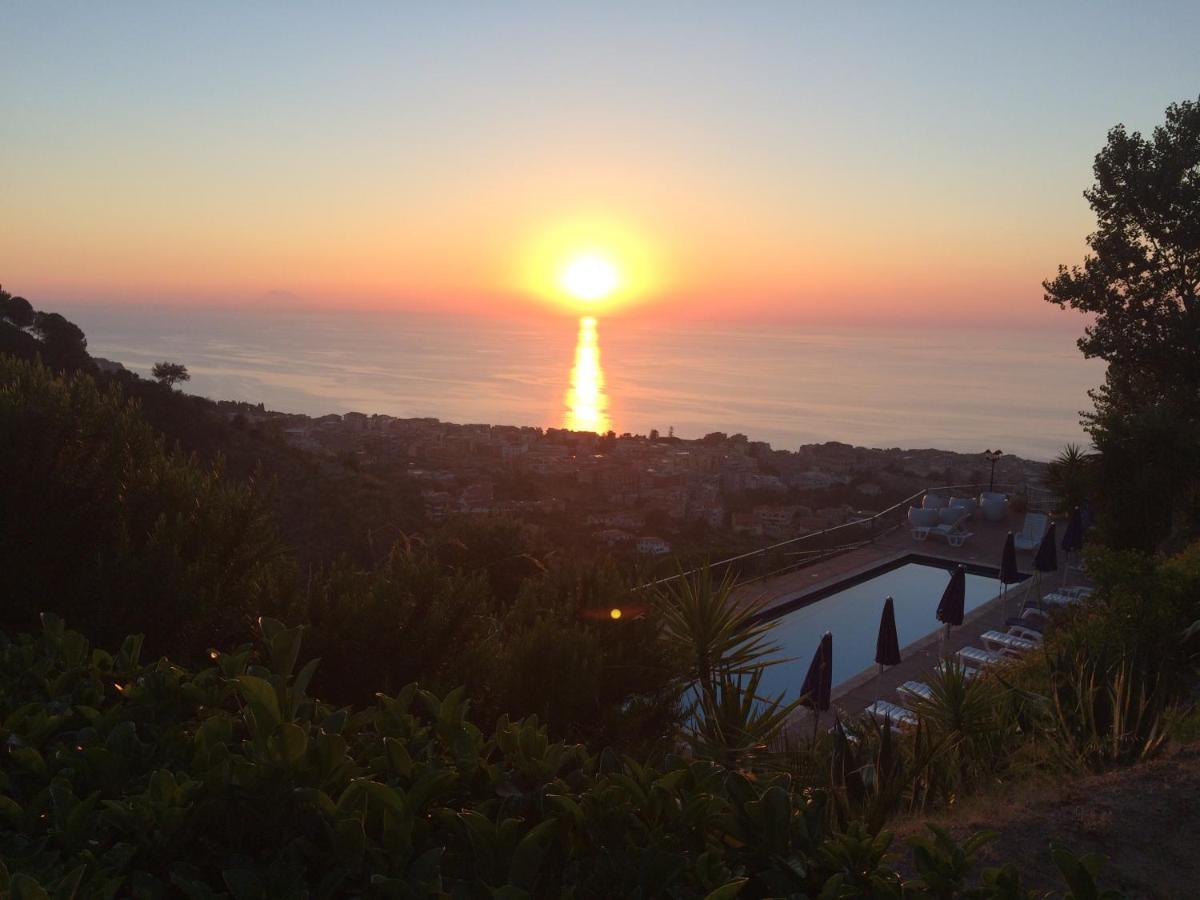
(1145, 820)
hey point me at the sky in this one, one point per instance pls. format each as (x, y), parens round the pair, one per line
(828, 162)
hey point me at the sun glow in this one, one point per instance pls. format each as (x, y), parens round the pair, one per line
(589, 265)
(590, 278)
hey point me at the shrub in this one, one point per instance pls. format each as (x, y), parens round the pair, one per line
(125, 778)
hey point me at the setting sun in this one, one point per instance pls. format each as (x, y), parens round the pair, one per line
(590, 277)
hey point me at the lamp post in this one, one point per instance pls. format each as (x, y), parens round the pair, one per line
(993, 455)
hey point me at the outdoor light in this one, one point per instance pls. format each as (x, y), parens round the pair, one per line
(993, 455)
(614, 613)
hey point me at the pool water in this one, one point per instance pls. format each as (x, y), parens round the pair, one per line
(852, 613)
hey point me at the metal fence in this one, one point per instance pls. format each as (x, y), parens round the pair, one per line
(807, 549)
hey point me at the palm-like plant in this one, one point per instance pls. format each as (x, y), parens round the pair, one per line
(736, 726)
(1069, 476)
(718, 636)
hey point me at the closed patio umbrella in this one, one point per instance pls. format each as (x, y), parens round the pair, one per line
(1045, 560)
(1072, 540)
(887, 644)
(818, 683)
(954, 600)
(1008, 569)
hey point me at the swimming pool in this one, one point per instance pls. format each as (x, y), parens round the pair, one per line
(851, 610)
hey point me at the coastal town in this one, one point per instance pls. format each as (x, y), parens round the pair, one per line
(651, 494)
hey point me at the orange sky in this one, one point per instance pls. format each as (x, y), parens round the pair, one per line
(881, 164)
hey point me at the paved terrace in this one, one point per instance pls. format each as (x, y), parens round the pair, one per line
(919, 658)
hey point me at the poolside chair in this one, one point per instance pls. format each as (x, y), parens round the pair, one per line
(954, 534)
(921, 520)
(894, 715)
(994, 507)
(1065, 596)
(998, 641)
(970, 504)
(1032, 532)
(1026, 623)
(979, 658)
(916, 689)
(1026, 634)
(968, 671)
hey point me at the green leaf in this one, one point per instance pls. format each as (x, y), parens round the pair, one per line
(22, 887)
(527, 858)
(727, 891)
(260, 696)
(288, 744)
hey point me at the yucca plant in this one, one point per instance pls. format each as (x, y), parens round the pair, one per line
(717, 635)
(1101, 714)
(966, 715)
(738, 727)
(875, 773)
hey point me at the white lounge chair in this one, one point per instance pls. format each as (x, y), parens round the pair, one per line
(891, 713)
(1032, 532)
(1026, 634)
(921, 520)
(955, 535)
(970, 504)
(979, 658)
(999, 641)
(1065, 596)
(917, 689)
(994, 506)
(968, 671)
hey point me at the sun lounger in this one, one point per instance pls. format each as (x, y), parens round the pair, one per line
(1032, 532)
(955, 535)
(1025, 623)
(968, 671)
(1066, 596)
(1026, 634)
(915, 689)
(999, 641)
(894, 715)
(978, 658)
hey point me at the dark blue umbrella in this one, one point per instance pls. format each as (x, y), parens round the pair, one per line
(1008, 569)
(954, 598)
(887, 645)
(818, 683)
(1072, 540)
(1008, 562)
(951, 607)
(1073, 536)
(1046, 559)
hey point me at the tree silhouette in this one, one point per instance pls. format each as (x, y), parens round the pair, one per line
(170, 373)
(1141, 285)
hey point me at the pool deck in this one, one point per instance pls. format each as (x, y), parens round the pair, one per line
(919, 658)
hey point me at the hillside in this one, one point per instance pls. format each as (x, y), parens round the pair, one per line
(1143, 819)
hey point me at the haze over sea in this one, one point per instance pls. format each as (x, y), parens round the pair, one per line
(952, 388)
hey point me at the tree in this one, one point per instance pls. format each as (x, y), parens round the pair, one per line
(63, 345)
(1141, 283)
(16, 310)
(170, 373)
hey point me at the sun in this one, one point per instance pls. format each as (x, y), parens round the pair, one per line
(589, 277)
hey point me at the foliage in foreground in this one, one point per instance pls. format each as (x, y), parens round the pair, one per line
(128, 779)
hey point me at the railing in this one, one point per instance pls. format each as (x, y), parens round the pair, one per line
(828, 542)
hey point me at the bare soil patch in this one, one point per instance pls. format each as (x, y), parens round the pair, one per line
(1144, 819)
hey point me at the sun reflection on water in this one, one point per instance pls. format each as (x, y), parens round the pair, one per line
(587, 403)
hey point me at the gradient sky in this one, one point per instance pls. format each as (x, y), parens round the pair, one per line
(910, 161)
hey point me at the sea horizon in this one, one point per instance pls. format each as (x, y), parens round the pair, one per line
(951, 387)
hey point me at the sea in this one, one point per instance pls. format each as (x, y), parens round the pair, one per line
(951, 388)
